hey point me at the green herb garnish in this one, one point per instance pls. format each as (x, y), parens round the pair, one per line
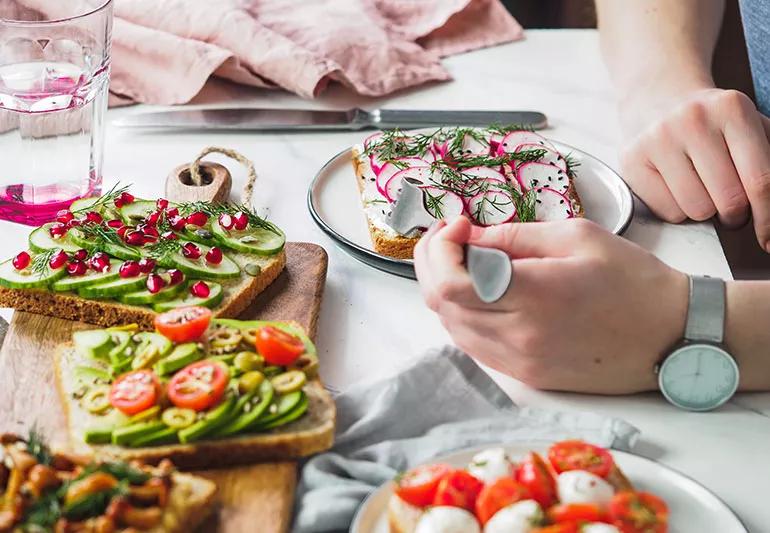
(40, 263)
(105, 200)
(214, 210)
(37, 447)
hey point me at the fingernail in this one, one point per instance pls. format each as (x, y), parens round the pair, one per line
(767, 247)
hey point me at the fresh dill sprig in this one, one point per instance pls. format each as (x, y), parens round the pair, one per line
(434, 204)
(572, 164)
(105, 200)
(455, 147)
(40, 266)
(481, 214)
(501, 129)
(161, 249)
(100, 235)
(213, 210)
(395, 144)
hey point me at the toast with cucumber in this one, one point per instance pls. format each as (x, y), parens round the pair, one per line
(491, 175)
(201, 392)
(118, 259)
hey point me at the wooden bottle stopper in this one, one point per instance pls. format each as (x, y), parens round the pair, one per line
(215, 186)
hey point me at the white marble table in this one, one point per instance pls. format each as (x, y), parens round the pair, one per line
(373, 323)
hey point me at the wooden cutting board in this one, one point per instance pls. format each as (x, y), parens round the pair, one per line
(259, 494)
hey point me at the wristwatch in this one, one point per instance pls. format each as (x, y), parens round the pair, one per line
(700, 374)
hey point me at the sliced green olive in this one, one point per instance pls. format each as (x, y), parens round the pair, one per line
(290, 381)
(225, 340)
(97, 399)
(248, 361)
(145, 357)
(272, 371)
(178, 418)
(250, 335)
(308, 363)
(250, 381)
(145, 416)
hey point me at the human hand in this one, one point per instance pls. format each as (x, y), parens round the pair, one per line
(701, 155)
(587, 311)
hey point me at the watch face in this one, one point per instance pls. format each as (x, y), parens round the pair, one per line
(699, 377)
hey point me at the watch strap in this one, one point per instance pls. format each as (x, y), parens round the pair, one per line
(706, 310)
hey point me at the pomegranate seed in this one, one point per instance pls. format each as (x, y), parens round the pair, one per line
(115, 223)
(127, 198)
(64, 216)
(21, 261)
(129, 269)
(153, 218)
(173, 212)
(80, 255)
(119, 203)
(122, 231)
(200, 289)
(134, 238)
(197, 218)
(168, 236)
(148, 230)
(178, 223)
(74, 223)
(190, 251)
(58, 259)
(100, 262)
(226, 221)
(175, 276)
(57, 230)
(214, 256)
(162, 203)
(93, 216)
(146, 265)
(241, 220)
(155, 283)
(76, 268)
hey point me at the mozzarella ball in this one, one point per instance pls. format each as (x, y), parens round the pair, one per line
(520, 517)
(579, 486)
(490, 465)
(445, 519)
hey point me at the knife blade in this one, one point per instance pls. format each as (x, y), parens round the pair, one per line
(253, 119)
(491, 270)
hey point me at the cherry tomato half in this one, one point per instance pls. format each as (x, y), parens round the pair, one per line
(198, 386)
(639, 512)
(458, 488)
(501, 493)
(418, 485)
(576, 512)
(534, 474)
(134, 392)
(277, 346)
(579, 455)
(184, 324)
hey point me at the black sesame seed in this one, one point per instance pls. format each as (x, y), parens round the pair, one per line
(560, 177)
(534, 182)
(372, 179)
(550, 178)
(539, 201)
(561, 201)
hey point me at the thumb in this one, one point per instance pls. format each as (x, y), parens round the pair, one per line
(536, 239)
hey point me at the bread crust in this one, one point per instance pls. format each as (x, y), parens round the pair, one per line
(239, 293)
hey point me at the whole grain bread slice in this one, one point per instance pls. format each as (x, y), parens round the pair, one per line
(238, 294)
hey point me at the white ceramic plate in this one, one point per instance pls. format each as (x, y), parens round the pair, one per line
(335, 204)
(693, 508)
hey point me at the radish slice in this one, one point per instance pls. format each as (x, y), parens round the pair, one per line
(533, 175)
(393, 185)
(443, 204)
(491, 207)
(389, 169)
(482, 178)
(551, 205)
(551, 157)
(516, 138)
(470, 147)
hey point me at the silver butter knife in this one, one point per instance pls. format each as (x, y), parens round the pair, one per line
(252, 119)
(491, 270)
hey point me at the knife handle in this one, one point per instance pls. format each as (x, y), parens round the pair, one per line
(402, 118)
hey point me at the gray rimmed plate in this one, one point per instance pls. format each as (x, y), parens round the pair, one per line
(692, 507)
(335, 205)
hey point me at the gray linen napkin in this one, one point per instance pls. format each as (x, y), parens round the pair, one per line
(443, 403)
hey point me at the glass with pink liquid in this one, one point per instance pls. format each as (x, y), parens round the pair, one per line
(54, 72)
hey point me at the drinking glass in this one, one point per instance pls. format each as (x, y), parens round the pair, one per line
(54, 72)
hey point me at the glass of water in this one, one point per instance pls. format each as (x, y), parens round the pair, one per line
(54, 73)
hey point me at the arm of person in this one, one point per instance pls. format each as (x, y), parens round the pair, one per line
(692, 150)
(587, 311)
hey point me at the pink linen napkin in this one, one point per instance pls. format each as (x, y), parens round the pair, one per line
(164, 50)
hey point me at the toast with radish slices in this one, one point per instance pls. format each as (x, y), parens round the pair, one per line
(576, 487)
(492, 175)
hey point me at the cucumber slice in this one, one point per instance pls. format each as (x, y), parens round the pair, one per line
(116, 250)
(258, 241)
(202, 235)
(26, 279)
(40, 240)
(135, 212)
(199, 268)
(72, 283)
(113, 288)
(214, 299)
(147, 297)
(83, 206)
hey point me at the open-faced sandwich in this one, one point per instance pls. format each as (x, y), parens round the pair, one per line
(492, 175)
(579, 489)
(199, 392)
(117, 259)
(46, 491)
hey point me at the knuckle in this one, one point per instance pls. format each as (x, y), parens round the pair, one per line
(732, 101)
(733, 202)
(448, 290)
(693, 115)
(583, 228)
(760, 187)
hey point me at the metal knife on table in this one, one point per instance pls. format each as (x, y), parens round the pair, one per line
(254, 119)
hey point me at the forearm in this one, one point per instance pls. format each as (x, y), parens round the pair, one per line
(654, 46)
(747, 331)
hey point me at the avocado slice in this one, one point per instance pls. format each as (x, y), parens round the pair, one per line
(181, 356)
(283, 406)
(124, 436)
(211, 422)
(165, 435)
(93, 343)
(291, 416)
(256, 405)
(151, 347)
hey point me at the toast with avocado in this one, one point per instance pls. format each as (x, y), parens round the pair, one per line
(118, 259)
(202, 395)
